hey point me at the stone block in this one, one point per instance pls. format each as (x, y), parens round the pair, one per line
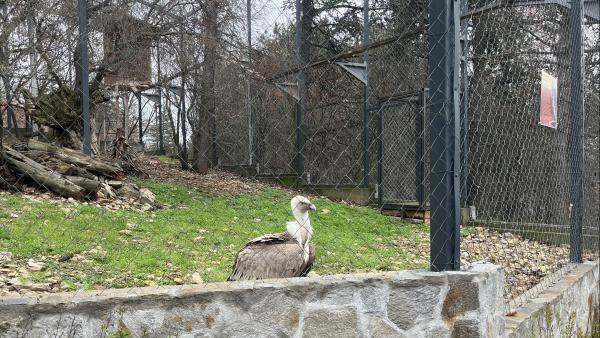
(466, 328)
(408, 306)
(379, 328)
(463, 296)
(331, 324)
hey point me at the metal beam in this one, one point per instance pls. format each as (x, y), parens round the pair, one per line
(301, 79)
(85, 76)
(577, 108)
(591, 7)
(358, 70)
(251, 117)
(140, 126)
(420, 148)
(464, 103)
(290, 88)
(444, 50)
(161, 144)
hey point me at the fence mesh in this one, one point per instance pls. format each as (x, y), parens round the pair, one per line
(258, 101)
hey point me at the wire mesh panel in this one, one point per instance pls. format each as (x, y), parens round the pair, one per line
(189, 128)
(520, 169)
(404, 159)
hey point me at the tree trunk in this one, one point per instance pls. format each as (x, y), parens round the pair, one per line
(203, 142)
(42, 175)
(77, 158)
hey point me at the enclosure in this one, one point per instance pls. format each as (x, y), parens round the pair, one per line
(144, 143)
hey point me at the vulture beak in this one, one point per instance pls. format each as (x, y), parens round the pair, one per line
(312, 207)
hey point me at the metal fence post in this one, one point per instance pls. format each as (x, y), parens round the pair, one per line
(300, 105)
(161, 144)
(85, 82)
(464, 102)
(577, 129)
(249, 85)
(420, 148)
(380, 155)
(445, 134)
(365, 43)
(140, 126)
(183, 120)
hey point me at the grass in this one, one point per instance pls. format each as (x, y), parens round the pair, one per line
(198, 232)
(168, 160)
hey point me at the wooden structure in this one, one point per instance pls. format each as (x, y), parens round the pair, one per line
(128, 48)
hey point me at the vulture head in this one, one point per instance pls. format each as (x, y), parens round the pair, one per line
(301, 228)
(301, 206)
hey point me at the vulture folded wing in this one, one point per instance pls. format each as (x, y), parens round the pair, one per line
(308, 265)
(269, 256)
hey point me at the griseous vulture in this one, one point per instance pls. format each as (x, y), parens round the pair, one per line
(283, 255)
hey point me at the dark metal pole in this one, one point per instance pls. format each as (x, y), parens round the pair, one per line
(213, 132)
(85, 82)
(445, 135)
(249, 86)
(420, 148)
(5, 81)
(183, 119)
(365, 131)
(464, 102)
(300, 105)
(380, 156)
(161, 144)
(140, 127)
(577, 129)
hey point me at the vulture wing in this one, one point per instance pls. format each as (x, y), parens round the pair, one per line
(308, 265)
(269, 256)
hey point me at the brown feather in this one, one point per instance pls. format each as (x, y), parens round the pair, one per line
(271, 256)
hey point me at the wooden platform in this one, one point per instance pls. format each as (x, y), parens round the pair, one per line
(407, 209)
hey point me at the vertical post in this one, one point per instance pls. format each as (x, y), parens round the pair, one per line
(85, 82)
(380, 156)
(249, 86)
(161, 145)
(577, 129)
(140, 126)
(365, 131)
(6, 78)
(464, 102)
(104, 131)
(183, 120)
(214, 160)
(300, 105)
(32, 62)
(420, 148)
(445, 130)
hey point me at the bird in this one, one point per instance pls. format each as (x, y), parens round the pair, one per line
(282, 255)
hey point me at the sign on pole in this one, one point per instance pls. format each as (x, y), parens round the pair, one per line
(548, 100)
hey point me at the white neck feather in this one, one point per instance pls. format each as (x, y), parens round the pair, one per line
(300, 229)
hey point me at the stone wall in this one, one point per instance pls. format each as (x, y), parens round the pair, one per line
(570, 308)
(399, 304)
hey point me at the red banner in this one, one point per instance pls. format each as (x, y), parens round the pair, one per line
(548, 100)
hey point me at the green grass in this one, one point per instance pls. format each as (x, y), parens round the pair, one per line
(198, 232)
(167, 160)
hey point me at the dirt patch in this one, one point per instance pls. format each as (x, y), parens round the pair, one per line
(214, 181)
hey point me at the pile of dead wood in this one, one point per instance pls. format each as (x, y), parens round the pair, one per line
(66, 172)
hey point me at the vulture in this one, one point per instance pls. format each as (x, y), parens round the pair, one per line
(287, 254)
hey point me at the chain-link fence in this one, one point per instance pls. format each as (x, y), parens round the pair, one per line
(465, 123)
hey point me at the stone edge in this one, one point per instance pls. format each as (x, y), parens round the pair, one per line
(536, 305)
(128, 294)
